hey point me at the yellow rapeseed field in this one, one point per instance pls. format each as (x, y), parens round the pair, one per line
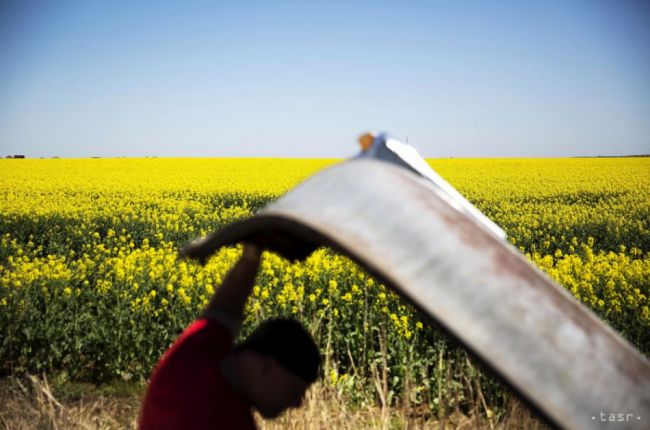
(91, 286)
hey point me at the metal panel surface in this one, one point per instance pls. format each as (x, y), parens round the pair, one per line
(530, 331)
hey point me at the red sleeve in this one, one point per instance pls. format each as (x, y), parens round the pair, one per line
(181, 392)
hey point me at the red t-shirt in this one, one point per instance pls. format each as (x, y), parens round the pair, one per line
(187, 391)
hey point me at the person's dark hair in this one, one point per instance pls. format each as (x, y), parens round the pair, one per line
(289, 343)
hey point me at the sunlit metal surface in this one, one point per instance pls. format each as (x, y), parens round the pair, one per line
(385, 148)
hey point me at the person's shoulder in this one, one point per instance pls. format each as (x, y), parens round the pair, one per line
(206, 337)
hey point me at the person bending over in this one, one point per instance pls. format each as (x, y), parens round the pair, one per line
(205, 382)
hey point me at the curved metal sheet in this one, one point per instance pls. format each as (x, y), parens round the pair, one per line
(534, 334)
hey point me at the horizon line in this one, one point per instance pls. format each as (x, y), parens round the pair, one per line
(147, 157)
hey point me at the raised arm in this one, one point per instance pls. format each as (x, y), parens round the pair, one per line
(231, 296)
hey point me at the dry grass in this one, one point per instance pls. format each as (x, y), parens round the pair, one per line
(324, 409)
(31, 404)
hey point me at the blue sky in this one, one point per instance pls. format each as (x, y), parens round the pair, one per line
(303, 79)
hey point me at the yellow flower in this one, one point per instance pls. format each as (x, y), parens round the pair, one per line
(334, 376)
